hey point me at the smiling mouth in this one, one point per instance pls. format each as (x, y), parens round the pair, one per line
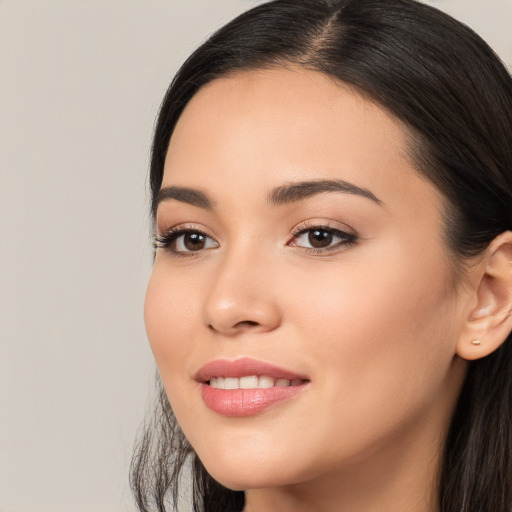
(252, 382)
(246, 387)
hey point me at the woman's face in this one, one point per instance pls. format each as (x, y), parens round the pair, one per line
(301, 258)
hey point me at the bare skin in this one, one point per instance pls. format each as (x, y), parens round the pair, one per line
(372, 316)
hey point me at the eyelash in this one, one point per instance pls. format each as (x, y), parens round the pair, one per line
(347, 239)
(167, 240)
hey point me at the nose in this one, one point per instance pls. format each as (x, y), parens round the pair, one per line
(242, 298)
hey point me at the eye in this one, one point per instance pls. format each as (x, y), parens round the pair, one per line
(322, 238)
(181, 241)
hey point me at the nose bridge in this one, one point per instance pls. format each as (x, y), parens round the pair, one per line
(241, 295)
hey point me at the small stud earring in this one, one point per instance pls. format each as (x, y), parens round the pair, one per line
(476, 342)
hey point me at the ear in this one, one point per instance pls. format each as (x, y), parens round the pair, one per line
(489, 321)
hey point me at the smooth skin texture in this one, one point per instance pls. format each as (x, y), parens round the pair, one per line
(374, 319)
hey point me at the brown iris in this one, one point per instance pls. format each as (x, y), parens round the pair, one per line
(194, 241)
(320, 238)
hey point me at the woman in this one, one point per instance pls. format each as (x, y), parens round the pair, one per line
(332, 289)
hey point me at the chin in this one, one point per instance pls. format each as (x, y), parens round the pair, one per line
(250, 478)
(241, 470)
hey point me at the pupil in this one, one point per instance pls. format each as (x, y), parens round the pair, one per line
(319, 239)
(194, 241)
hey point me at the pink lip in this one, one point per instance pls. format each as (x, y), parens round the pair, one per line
(245, 402)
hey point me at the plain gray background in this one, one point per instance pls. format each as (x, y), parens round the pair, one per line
(80, 85)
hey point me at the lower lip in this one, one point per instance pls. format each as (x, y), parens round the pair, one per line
(246, 402)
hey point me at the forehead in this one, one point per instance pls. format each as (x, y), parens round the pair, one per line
(283, 103)
(266, 127)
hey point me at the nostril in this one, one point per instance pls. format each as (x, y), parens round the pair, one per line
(239, 326)
(247, 323)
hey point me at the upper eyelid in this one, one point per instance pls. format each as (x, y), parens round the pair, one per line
(182, 227)
(178, 230)
(309, 225)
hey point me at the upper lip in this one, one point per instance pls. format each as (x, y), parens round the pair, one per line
(243, 367)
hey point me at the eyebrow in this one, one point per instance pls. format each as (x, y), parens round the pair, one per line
(294, 192)
(284, 194)
(187, 195)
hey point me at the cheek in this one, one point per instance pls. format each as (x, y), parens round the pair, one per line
(384, 334)
(169, 315)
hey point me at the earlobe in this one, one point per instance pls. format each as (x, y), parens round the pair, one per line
(490, 320)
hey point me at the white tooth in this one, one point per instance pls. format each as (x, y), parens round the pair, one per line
(282, 383)
(250, 382)
(296, 382)
(265, 382)
(217, 382)
(231, 383)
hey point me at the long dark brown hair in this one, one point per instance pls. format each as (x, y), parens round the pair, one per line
(455, 96)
